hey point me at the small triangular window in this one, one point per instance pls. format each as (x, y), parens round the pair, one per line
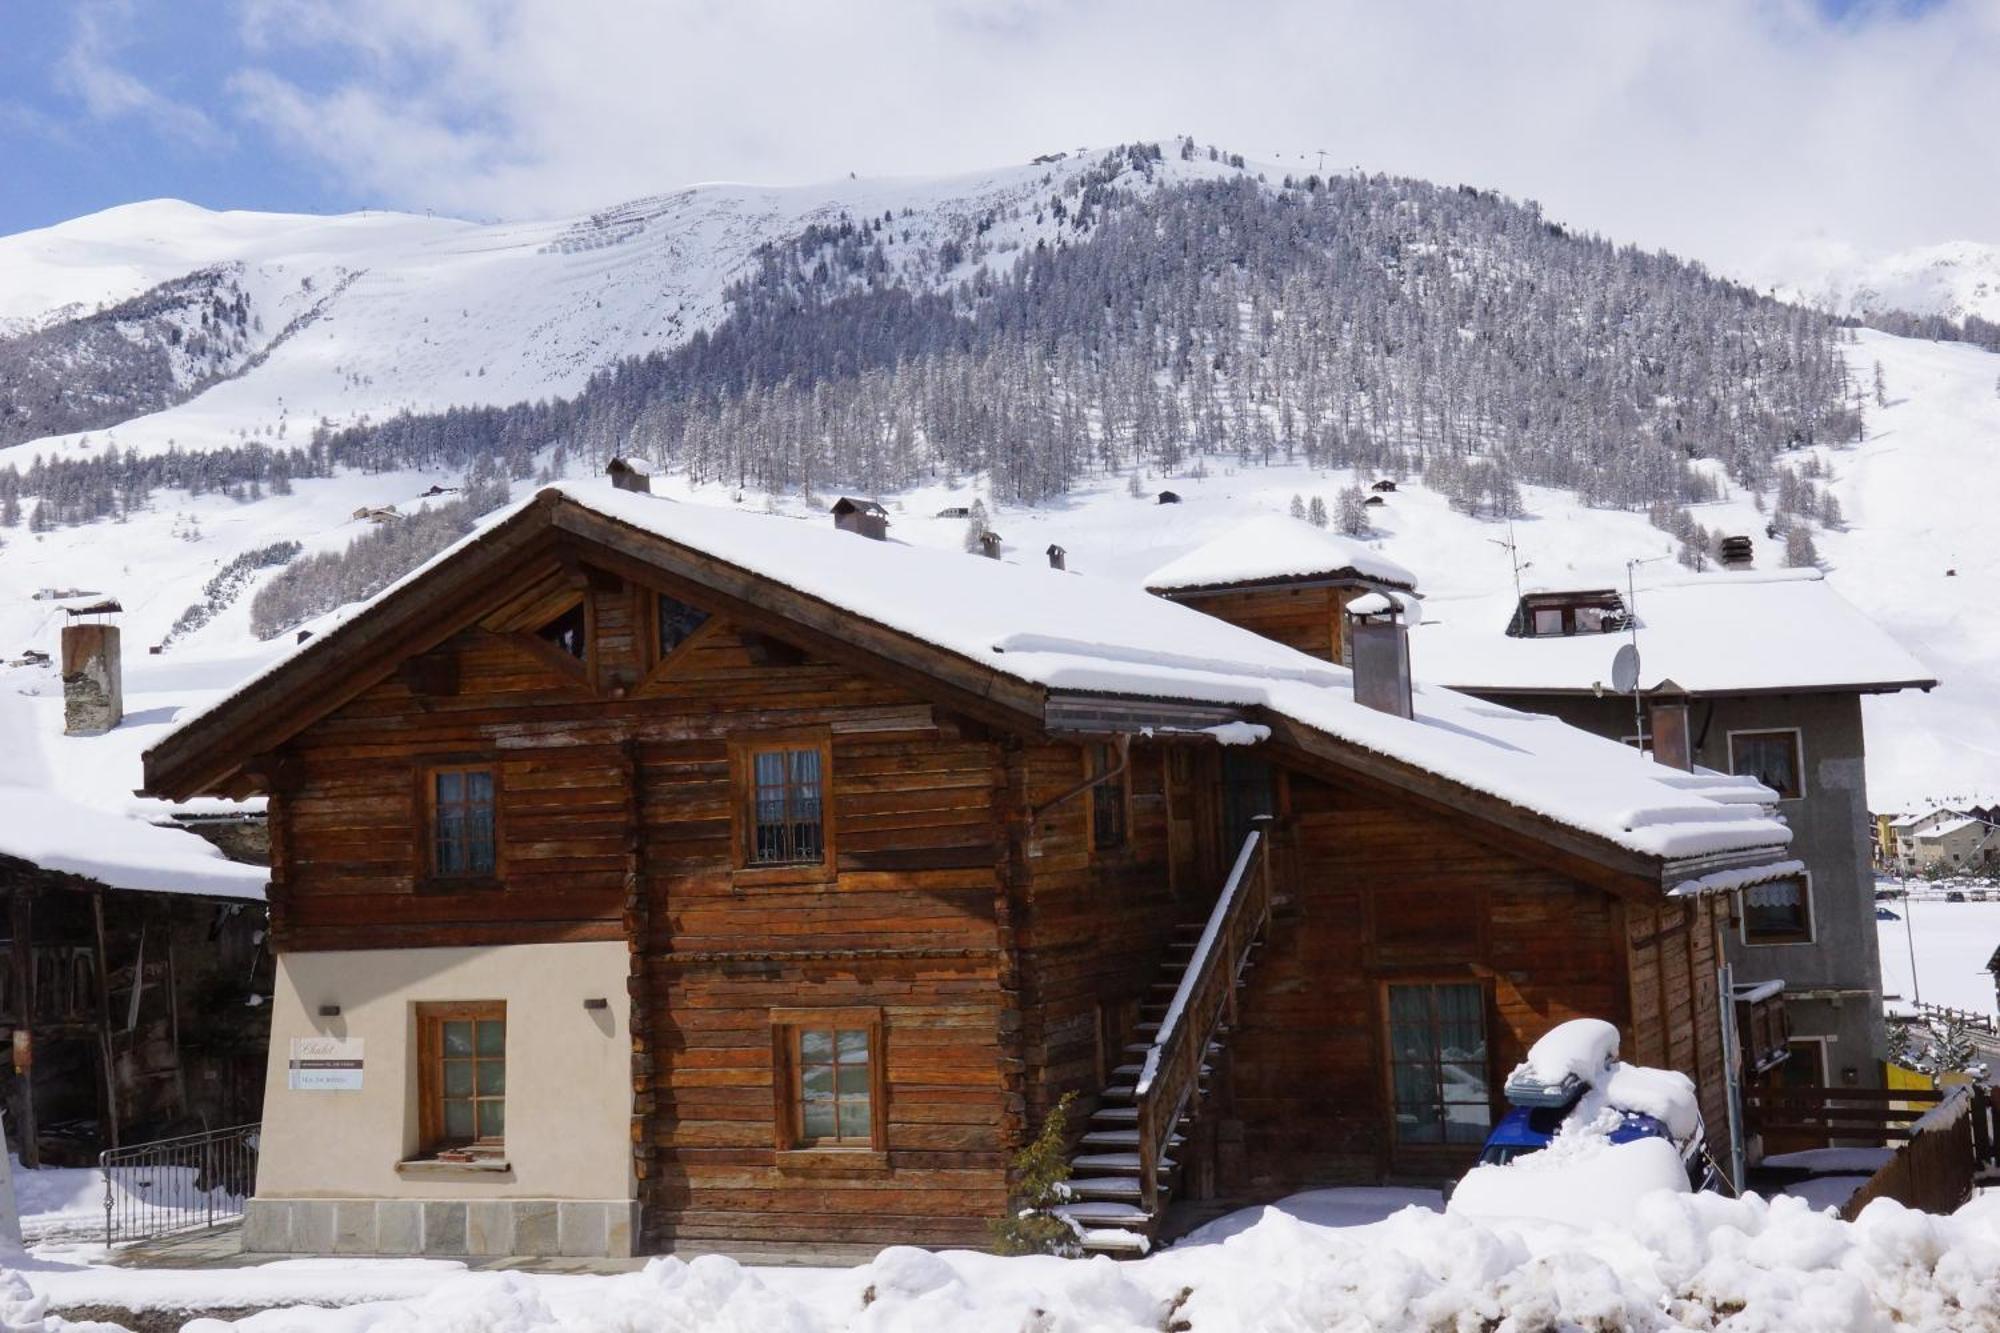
(678, 622)
(568, 631)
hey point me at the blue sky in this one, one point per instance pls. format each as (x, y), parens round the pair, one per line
(1712, 126)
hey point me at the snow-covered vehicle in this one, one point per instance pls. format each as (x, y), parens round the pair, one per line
(1587, 1133)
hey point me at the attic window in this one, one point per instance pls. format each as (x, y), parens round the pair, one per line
(678, 622)
(1560, 615)
(568, 631)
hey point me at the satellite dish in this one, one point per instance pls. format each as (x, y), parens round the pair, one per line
(1625, 669)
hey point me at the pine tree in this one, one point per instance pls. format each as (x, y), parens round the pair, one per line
(1040, 1185)
(1316, 512)
(1353, 511)
(1881, 387)
(1298, 506)
(1799, 550)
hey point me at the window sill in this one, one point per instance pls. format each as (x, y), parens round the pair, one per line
(448, 884)
(430, 1168)
(833, 1161)
(814, 872)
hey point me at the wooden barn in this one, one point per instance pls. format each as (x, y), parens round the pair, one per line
(781, 901)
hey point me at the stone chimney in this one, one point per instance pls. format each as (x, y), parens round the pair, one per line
(1379, 644)
(1057, 557)
(93, 690)
(989, 545)
(1667, 721)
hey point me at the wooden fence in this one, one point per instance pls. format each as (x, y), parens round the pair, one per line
(1978, 1022)
(1933, 1171)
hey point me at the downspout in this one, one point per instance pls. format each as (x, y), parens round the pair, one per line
(1732, 1056)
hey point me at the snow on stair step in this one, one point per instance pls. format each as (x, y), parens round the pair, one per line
(1105, 1187)
(1120, 1138)
(1105, 1212)
(1115, 1115)
(1106, 1241)
(1114, 1161)
(1120, 1092)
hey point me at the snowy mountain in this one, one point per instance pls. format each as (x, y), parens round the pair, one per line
(1956, 280)
(1049, 338)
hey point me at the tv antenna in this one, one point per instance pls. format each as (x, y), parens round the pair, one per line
(1625, 667)
(1322, 161)
(1513, 550)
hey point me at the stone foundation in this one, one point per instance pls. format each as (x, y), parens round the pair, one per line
(442, 1228)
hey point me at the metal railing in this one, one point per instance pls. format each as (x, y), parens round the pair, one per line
(181, 1184)
(1170, 1077)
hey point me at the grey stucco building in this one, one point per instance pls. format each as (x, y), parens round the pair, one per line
(1773, 665)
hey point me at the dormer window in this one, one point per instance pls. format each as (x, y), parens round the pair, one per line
(569, 632)
(1563, 614)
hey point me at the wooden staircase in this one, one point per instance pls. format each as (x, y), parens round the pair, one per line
(1124, 1170)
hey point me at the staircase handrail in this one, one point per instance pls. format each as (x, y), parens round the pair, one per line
(1171, 1070)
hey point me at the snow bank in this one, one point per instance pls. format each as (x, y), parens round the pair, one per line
(1578, 1181)
(1673, 1262)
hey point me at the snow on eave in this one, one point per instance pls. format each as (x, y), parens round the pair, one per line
(1729, 881)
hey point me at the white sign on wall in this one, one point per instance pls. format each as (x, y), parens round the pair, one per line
(324, 1064)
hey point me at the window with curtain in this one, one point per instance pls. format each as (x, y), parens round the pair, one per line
(462, 823)
(1779, 912)
(1438, 1063)
(1771, 757)
(786, 806)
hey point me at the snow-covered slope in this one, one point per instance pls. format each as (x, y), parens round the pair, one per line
(424, 314)
(1956, 279)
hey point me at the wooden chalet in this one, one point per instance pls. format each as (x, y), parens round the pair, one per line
(647, 875)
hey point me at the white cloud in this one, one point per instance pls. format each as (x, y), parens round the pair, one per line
(1733, 130)
(89, 71)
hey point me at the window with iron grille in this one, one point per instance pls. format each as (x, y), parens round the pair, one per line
(787, 806)
(1107, 800)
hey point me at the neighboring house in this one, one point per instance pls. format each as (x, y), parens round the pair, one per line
(133, 965)
(1957, 843)
(1281, 578)
(1773, 667)
(784, 903)
(1902, 832)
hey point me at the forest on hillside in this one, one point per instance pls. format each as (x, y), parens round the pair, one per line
(1367, 321)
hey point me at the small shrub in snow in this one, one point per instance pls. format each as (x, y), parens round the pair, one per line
(1041, 1183)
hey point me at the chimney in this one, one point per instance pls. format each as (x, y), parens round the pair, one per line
(631, 474)
(989, 545)
(93, 693)
(1667, 720)
(1379, 642)
(1735, 553)
(1056, 557)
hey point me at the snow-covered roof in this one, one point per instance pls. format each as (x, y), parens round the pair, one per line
(1721, 633)
(1946, 829)
(1066, 632)
(66, 802)
(1275, 549)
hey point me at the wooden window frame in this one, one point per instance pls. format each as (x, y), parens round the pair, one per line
(646, 622)
(429, 878)
(787, 1105)
(743, 749)
(1093, 753)
(1809, 936)
(431, 1017)
(1798, 755)
(1426, 1156)
(582, 669)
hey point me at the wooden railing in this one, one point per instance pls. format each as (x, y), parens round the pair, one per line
(1870, 1114)
(1978, 1022)
(1933, 1171)
(1170, 1076)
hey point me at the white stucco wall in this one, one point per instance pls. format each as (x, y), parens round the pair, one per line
(569, 1072)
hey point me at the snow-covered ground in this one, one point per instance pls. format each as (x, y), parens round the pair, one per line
(1330, 1260)
(1952, 942)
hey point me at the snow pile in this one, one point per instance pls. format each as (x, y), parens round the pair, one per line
(21, 1310)
(1673, 1262)
(1273, 548)
(1582, 1179)
(1583, 1047)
